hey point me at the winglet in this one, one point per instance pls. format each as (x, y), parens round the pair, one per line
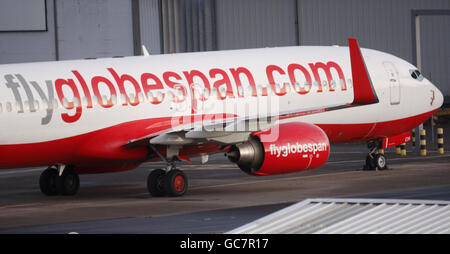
(364, 93)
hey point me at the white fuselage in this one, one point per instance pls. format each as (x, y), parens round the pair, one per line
(76, 97)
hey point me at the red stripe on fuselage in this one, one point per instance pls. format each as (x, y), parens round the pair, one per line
(106, 146)
(340, 133)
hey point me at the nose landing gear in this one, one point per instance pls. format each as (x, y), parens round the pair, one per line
(375, 160)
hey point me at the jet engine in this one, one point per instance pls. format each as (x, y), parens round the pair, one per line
(283, 148)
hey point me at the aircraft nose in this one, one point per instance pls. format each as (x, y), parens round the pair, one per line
(438, 98)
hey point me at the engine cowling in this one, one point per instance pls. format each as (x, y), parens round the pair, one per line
(284, 148)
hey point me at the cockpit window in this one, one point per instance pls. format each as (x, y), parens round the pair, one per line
(415, 74)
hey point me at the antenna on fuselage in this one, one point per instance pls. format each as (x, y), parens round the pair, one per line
(145, 51)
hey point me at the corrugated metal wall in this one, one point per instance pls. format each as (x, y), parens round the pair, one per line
(188, 25)
(435, 46)
(383, 25)
(102, 28)
(19, 47)
(255, 23)
(94, 28)
(149, 16)
(85, 28)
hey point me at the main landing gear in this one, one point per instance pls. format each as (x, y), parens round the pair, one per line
(167, 182)
(171, 183)
(59, 180)
(375, 160)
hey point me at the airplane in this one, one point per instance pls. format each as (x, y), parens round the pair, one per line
(269, 110)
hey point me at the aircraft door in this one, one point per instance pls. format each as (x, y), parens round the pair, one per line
(394, 82)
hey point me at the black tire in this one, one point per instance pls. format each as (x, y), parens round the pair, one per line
(175, 183)
(155, 183)
(47, 182)
(370, 163)
(380, 161)
(68, 183)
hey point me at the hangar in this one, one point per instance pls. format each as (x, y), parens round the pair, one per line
(45, 30)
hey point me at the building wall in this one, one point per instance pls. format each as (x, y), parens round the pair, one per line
(188, 26)
(435, 46)
(85, 29)
(150, 25)
(105, 28)
(13, 12)
(94, 28)
(383, 25)
(31, 46)
(255, 23)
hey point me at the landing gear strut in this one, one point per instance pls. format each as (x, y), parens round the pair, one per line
(59, 180)
(169, 182)
(375, 160)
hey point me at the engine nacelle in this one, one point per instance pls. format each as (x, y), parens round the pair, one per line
(284, 148)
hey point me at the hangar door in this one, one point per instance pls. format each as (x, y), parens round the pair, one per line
(435, 51)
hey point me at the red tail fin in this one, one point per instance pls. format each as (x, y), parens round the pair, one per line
(362, 84)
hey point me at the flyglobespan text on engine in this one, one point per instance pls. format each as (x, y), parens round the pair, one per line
(288, 149)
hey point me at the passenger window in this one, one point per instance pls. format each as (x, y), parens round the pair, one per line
(26, 106)
(342, 83)
(76, 102)
(288, 87)
(84, 100)
(223, 92)
(333, 84)
(36, 105)
(94, 101)
(132, 98)
(18, 107)
(350, 82)
(123, 99)
(8, 106)
(297, 87)
(55, 104)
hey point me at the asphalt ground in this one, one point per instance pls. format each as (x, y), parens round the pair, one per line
(220, 196)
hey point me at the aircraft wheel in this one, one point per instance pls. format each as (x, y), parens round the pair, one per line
(47, 181)
(155, 183)
(175, 183)
(68, 183)
(380, 161)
